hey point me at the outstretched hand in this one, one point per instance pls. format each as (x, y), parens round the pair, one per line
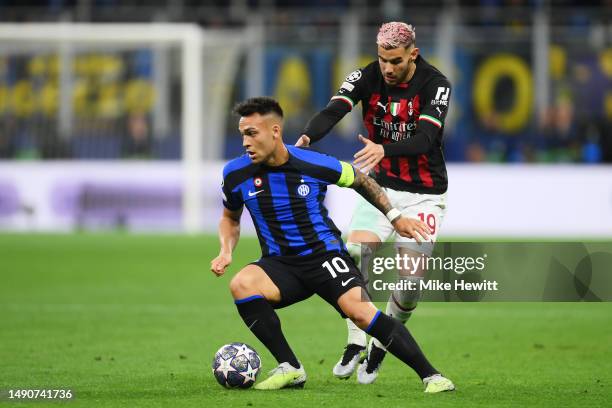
(411, 228)
(369, 156)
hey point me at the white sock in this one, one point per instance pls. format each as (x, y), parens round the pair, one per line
(401, 311)
(377, 344)
(355, 334)
(401, 303)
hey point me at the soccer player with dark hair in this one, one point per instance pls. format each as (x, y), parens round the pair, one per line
(283, 187)
(404, 103)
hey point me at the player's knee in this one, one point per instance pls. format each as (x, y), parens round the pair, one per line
(359, 315)
(241, 285)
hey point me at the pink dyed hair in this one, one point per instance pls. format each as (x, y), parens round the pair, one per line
(395, 35)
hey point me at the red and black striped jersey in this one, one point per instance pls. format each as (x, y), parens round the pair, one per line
(393, 115)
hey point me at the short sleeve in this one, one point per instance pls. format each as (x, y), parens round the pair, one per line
(323, 167)
(336, 172)
(231, 200)
(437, 97)
(352, 88)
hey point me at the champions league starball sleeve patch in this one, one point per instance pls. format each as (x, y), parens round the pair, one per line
(350, 89)
(354, 76)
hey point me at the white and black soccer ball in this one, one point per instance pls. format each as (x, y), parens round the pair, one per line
(236, 365)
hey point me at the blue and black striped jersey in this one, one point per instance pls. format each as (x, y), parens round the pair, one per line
(286, 202)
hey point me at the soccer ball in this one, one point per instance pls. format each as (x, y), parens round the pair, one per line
(236, 365)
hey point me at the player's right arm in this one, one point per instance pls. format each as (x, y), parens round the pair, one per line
(229, 226)
(321, 123)
(340, 104)
(229, 234)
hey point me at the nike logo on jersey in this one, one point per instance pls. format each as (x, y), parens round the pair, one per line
(346, 282)
(254, 193)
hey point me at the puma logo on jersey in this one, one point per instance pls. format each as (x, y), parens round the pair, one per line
(382, 106)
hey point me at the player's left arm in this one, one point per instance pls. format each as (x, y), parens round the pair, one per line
(431, 120)
(436, 99)
(369, 189)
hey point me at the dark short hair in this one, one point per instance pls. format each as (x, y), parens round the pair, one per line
(261, 104)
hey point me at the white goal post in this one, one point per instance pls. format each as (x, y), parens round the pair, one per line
(201, 122)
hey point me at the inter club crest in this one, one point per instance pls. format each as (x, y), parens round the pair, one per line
(303, 190)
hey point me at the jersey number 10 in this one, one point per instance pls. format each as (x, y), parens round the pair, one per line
(337, 264)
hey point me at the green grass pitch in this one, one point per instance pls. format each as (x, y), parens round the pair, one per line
(134, 321)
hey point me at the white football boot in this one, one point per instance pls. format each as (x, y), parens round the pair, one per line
(347, 364)
(368, 369)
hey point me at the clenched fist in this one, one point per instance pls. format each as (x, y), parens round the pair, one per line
(218, 265)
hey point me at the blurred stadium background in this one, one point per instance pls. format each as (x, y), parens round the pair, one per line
(116, 114)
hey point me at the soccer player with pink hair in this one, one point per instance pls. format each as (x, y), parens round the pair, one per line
(404, 103)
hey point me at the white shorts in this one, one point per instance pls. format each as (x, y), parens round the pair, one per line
(429, 208)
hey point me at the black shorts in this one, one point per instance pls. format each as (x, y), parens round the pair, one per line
(328, 274)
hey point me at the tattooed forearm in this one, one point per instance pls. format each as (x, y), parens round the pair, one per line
(371, 191)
